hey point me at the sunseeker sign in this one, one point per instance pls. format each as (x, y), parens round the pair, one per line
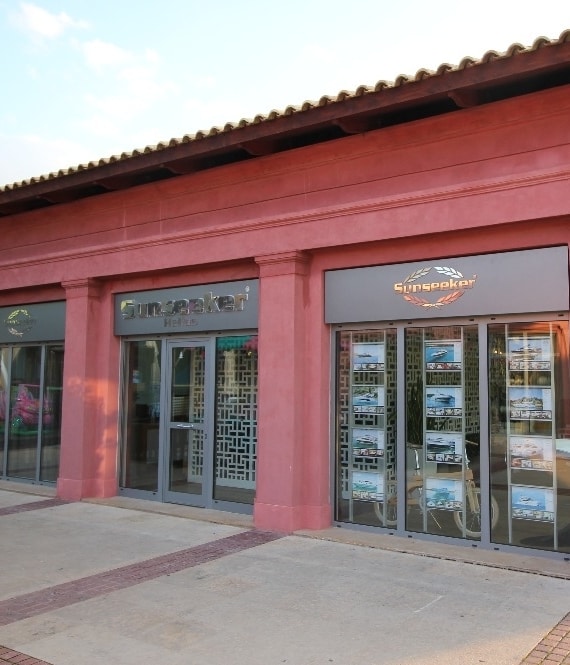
(504, 283)
(451, 283)
(211, 307)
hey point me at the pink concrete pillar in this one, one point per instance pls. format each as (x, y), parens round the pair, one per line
(84, 471)
(284, 500)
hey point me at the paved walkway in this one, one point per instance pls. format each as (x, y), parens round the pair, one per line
(131, 582)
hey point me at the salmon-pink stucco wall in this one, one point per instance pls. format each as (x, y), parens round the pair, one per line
(477, 168)
(90, 388)
(293, 462)
(487, 179)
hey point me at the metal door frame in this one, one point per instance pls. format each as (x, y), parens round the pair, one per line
(205, 499)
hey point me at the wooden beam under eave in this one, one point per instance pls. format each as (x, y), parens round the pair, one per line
(465, 99)
(260, 148)
(357, 125)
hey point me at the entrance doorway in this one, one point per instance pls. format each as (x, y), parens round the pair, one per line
(190, 420)
(187, 420)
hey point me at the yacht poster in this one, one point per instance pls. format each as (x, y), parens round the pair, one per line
(532, 353)
(444, 401)
(532, 503)
(367, 486)
(368, 357)
(367, 442)
(443, 356)
(444, 494)
(444, 447)
(368, 399)
(530, 403)
(531, 452)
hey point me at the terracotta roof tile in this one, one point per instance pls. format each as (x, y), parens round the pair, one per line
(307, 106)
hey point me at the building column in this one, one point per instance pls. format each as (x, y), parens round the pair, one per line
(285, 498)
(84, 469)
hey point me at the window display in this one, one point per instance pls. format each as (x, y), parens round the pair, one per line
(529, 396)
(443, 493)
(367, 433)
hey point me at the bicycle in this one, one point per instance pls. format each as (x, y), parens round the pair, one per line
(386, 510)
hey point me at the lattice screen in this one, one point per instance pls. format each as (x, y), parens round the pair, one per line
(236, 416)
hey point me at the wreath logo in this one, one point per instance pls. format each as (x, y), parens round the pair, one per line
(19, 322)
(456, 285)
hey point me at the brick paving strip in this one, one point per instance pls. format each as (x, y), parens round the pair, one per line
(61, 595)
(33, 505)
(553, 648)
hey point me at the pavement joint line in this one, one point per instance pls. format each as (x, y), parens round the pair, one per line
(61, 595)
(456, 558)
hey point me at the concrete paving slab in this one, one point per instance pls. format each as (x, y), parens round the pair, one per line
(299, 600)
(54, 545)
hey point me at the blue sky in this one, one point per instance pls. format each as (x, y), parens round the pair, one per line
(85, 79)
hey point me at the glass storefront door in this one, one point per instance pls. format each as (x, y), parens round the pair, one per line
(189, 401)
(458, 430)
(190, 420)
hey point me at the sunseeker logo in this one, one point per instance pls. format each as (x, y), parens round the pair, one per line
(209, 304)
(453, 287)
(19, 322)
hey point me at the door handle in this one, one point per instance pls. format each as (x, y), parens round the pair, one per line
(185, 426)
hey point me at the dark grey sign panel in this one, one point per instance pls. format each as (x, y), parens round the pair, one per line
(221, 306)
(40, 322)
(507, 283)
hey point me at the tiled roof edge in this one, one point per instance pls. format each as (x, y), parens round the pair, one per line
(343, 95)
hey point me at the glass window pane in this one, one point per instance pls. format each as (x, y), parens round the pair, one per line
(366, 428)
(530, 434)
(139, 469)
(51, 429)
(25, 405)
(443, 431)
(187, 419)
(4, 401)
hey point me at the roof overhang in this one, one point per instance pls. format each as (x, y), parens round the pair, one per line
(495, 77)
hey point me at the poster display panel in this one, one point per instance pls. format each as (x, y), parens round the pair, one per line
(529, 353)
(367, 486)
(368, 442)
(444, 447)
(368, 399)
(530, 403)
(444, 493)
(443, 356)
(367, 356)
(531, 452)
(444, 401)
(532, 503)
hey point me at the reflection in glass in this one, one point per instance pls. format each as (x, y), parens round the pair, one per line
(236, 419)
(139, 460)
(442, 431)
(25, 412)
(366, 489)
(51, 430)
(530, 434)
(4, 401)
(187, 419)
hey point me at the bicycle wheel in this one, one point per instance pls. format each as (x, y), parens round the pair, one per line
(386, 510)
(473, 515)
